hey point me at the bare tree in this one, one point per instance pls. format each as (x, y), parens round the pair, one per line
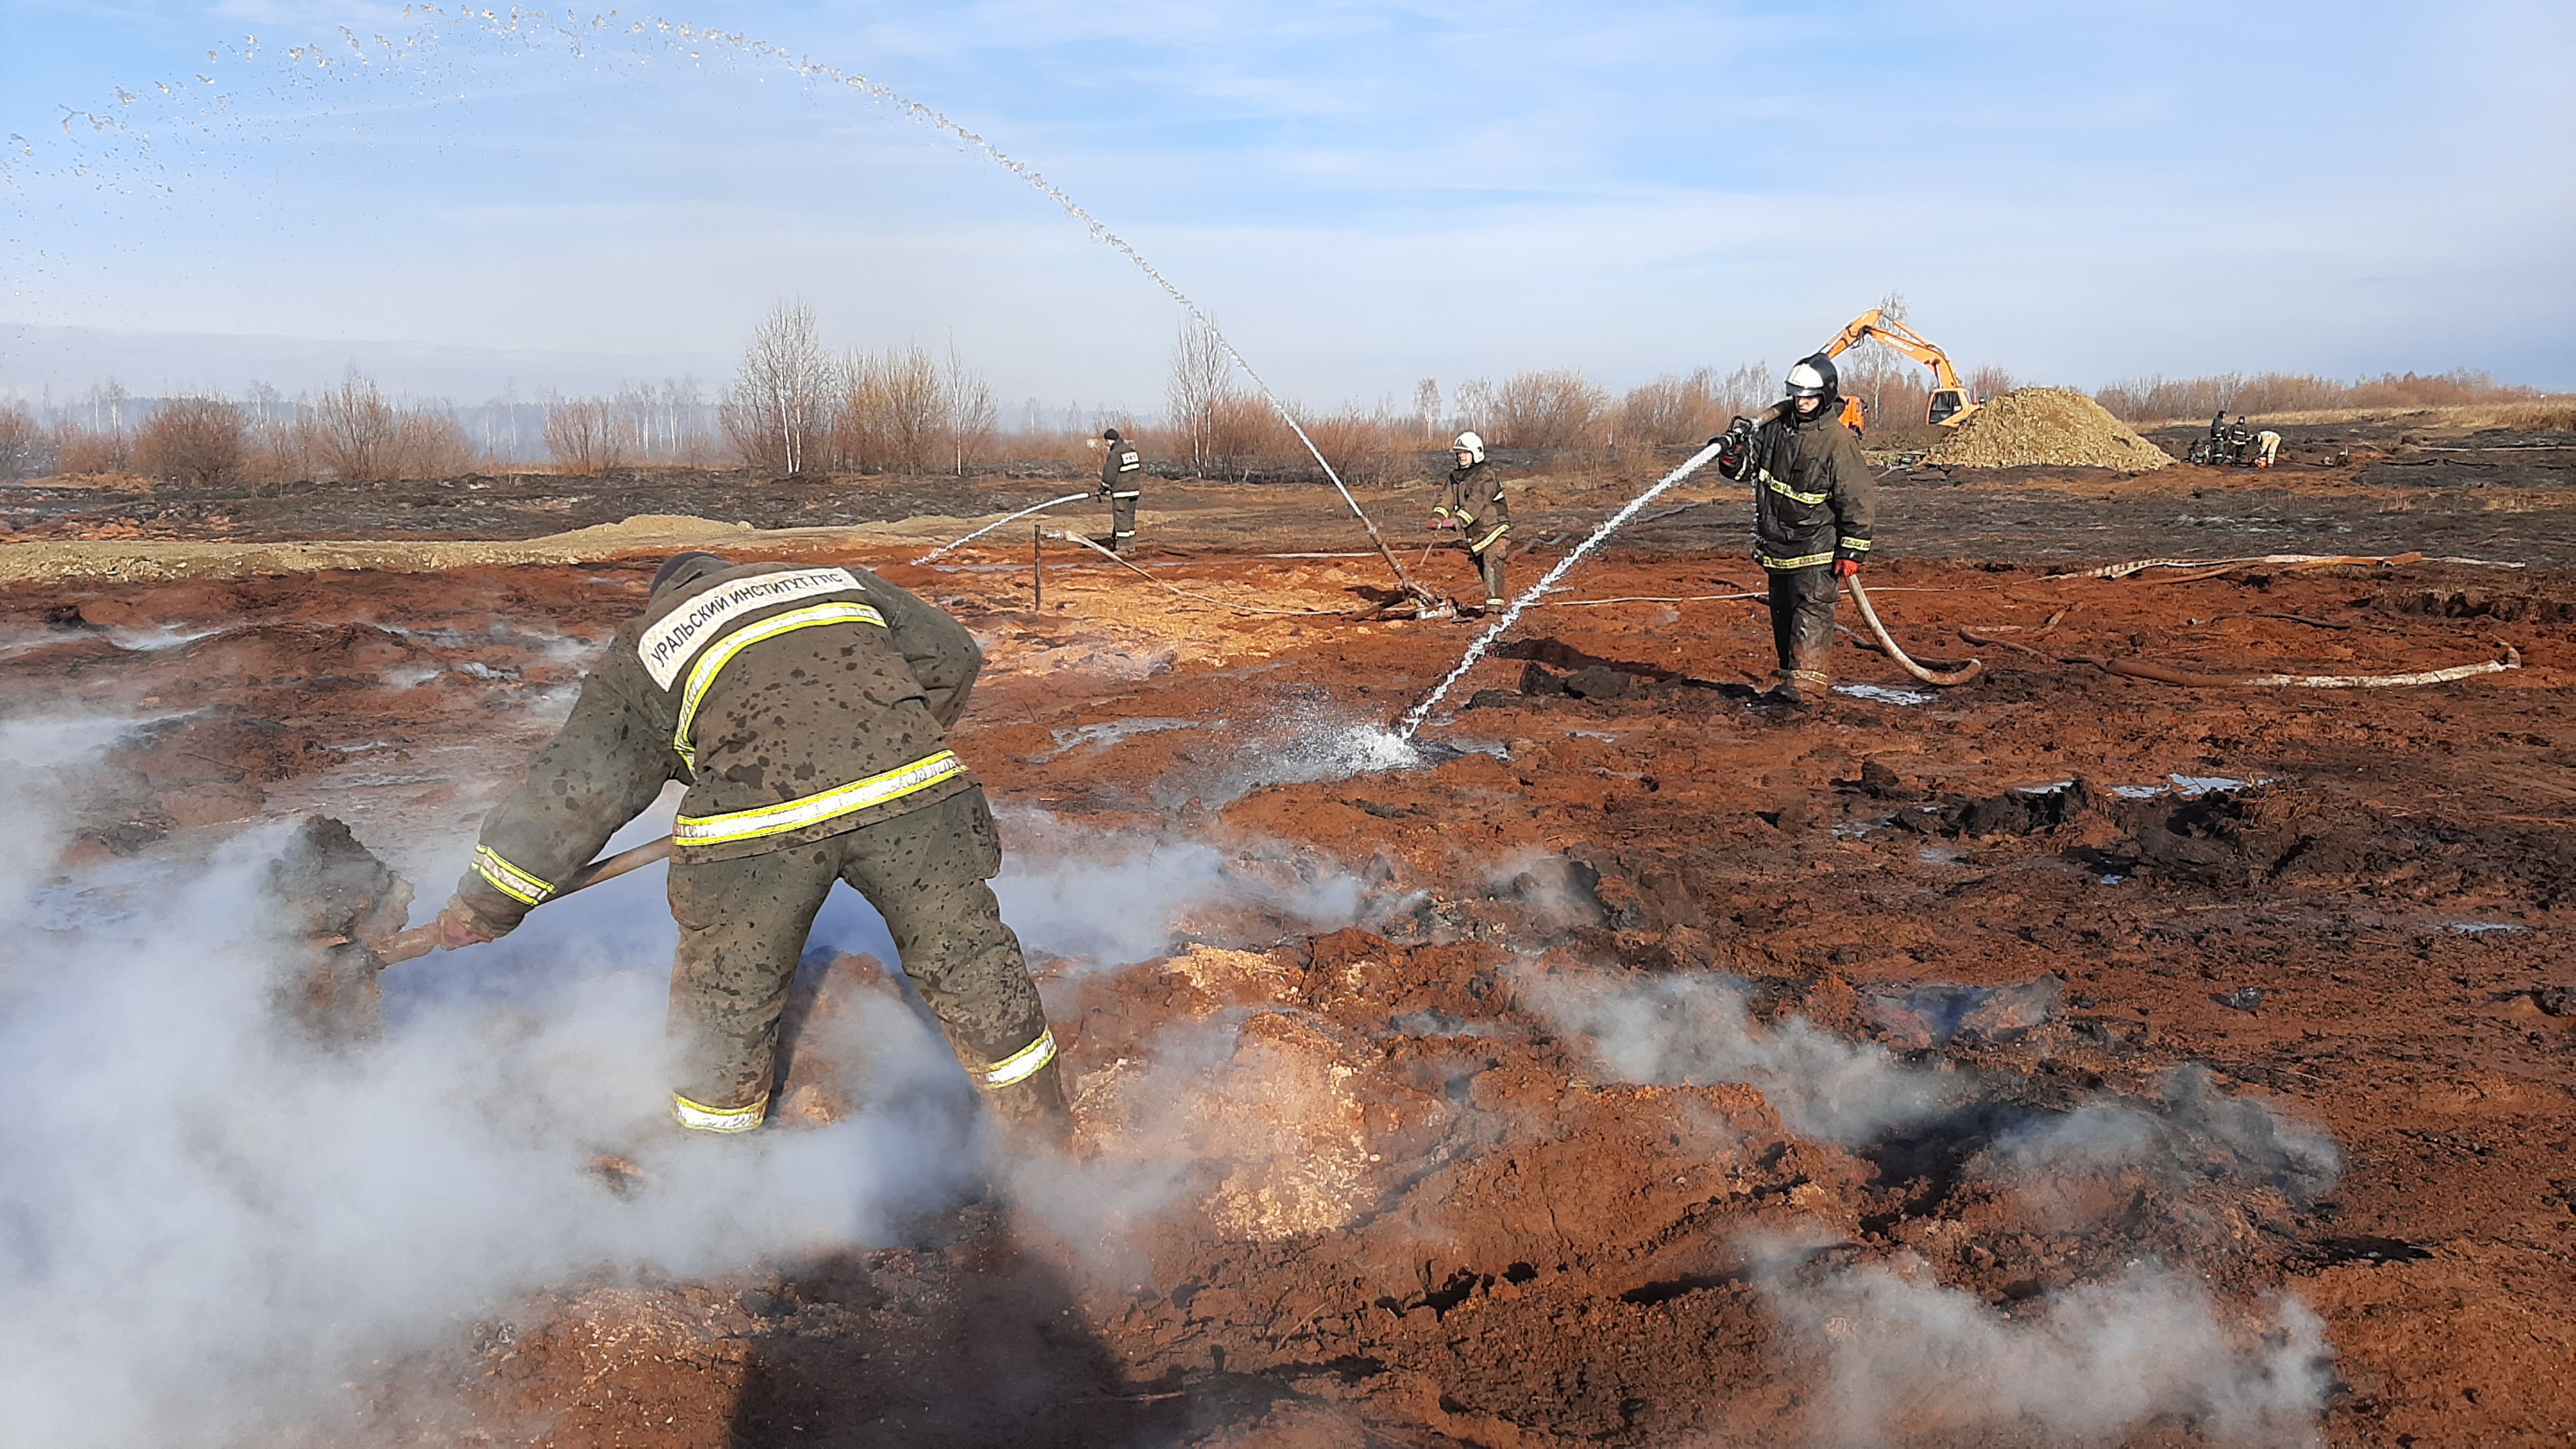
(25, 451)
(1200, 393)
(1671, 410)
(429, 443)
(973, 416)
(1473, 405)
(1426, 408)
(350, 429)
(778, 410)
(1555, 408)
(588, 435)
(891, 410)
(196, 440)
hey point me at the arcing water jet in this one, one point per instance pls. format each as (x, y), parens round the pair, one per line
(1413, 718)
(693, 41)
(998, 522)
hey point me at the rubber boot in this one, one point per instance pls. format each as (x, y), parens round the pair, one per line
(1032, 1116)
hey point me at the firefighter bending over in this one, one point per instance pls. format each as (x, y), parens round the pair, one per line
(1475, 506)
(1122, 476)
(1812, 507)
(807, 709)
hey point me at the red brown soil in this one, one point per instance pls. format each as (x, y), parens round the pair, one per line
(1396, 1233)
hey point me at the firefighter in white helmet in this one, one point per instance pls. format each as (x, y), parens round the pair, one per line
(1813, 505)
(1475, 506)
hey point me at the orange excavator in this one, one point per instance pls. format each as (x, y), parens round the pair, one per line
(1950, 401)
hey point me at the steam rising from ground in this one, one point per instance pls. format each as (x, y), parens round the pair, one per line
(1910, 1358)
(1696, 1029)
(1071, 891)
(208, 1221)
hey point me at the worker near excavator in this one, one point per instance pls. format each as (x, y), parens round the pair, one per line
(1122, 475)
(1813, 505)
(1474, 505)
(807, 710)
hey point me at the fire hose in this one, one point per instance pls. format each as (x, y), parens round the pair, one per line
(2162, 674)
(1938, 679)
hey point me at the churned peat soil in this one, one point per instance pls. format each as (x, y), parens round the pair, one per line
(1643, 1068)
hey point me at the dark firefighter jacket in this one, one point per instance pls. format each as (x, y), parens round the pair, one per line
(796, 702)
(1476, 501)
(1813, 496)
(1121, 472)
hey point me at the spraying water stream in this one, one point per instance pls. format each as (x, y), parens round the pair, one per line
(998, 522)
(378, 54)
(1413, 718)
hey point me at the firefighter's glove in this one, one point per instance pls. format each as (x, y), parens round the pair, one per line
(1846, 568)
(1733, 446)
(1441, 519)
(459, 926)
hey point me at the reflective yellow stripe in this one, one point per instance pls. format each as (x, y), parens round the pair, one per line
(1785, 491)
(1488, 540)
(815, 809)
(702, 676)
(698, 1117)
(508, 879)
(1023, 1064)
(1856, 545)
(1803, 561)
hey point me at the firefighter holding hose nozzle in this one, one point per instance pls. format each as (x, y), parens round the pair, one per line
(1476, 508)
(807, 710)
(1813, 505)
(1120, 472)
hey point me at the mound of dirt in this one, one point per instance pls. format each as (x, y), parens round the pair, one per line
(2046, 425)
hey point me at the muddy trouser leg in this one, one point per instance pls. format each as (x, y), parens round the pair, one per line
(925, 872)
(1490, 562)
(1122, 521)
(743, 924)
(1802, 622)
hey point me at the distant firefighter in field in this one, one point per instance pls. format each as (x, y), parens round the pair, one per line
(1813, 501)
(807, 710)
(1122, 476)
(1476, 508)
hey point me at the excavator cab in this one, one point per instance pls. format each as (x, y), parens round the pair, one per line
(1948, 403)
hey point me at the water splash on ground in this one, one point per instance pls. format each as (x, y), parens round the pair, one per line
(1413, 718)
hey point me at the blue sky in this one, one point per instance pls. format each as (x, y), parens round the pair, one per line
(1365, 194)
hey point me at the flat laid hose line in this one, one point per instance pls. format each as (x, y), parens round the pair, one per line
(1186, 594)
(2161, 674)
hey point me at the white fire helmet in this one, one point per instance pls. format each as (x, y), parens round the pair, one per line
(1812, 377)
(1471, 445)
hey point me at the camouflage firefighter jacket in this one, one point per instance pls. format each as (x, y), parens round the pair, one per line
(795, 702)
(1813, 497)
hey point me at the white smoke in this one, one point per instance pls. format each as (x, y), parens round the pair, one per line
(1696, 1029)
(1907, 1358)
(1123, 897)
(207, 1220)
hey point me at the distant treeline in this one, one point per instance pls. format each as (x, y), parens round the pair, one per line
(2164, 399)
(794, 407)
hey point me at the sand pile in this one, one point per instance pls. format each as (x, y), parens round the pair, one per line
(2046, 425)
